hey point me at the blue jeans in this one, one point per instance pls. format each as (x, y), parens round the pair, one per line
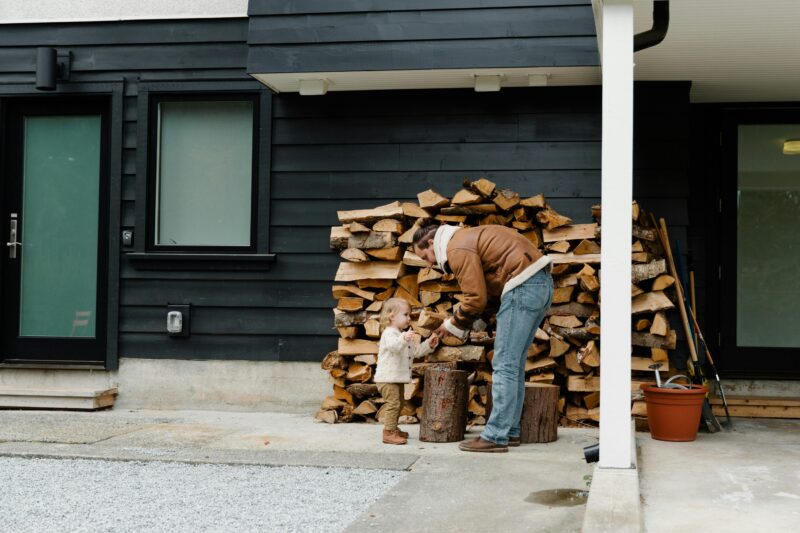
(521, 311)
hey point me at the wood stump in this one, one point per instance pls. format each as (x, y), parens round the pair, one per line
(444, 406)
(539, 422)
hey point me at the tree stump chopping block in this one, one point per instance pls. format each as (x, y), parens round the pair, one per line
(444, 406)
(539, 421)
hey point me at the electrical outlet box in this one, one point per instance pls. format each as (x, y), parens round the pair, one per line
(127, 237)
(179, 320)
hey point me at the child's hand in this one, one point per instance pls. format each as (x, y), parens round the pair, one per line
(408, 336)
(433, 340)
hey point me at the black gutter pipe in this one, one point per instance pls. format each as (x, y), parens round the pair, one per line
(656, 34)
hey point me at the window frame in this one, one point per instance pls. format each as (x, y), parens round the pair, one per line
(146, 253)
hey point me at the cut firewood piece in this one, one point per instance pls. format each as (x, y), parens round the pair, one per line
(574, 259)
(637, 246)
(328, 417)
(367, 358)
(343, 319)
(650, 302)
(451, 219)
(482, 186)
(572, 362)
(583, 383)
(374, 307)
(427, 298)
(578, 335)
(568, 280)
(374, 283)
(660, 324)
(430, 320)
(566, 321)
(412, 259)
(409, 283)
(402, 293)
(411, 389)
(372, 328)
(350, 303)
(357, 227)
(369, 270)
(551, 219)
(635, 291)
(414, 211)
(428, 274)
(354, 255)
(579, 310)
(534, 237)
(662, 282)
(642, 364)
(585, 298)
(586, 247)
(457, 353)
(365, 408)
(500, 220)
(388, 225)
(339, 237)
(359, 372)
(541, 335)
(369, 216)
(589, 282)
(522, 225)
(659, 355)
(333, 360)
(394, 253)
(649, 340)
(466, 197)
(476, 408)
(348, 332)
(520, 214)
(537, 348)
(562, 294)
(385, 295)
(536, 202)
(460, 210)
(537, 365)
(560, 247)
(579, 413)
(438, 286)
(642, 324)
(431, 199)
(635, 210)
(340, 291)
(342, 394)
(592, 400)
(589, 355)
(450, 340)
(642, 257)
(506, 199)
(373, 239)
(646, 234)
(558, 347)
(572, 232)
(356, 346)
(650, 270)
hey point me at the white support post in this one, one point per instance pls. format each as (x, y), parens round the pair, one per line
(617, 196)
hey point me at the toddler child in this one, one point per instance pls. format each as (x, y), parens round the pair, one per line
(395, 353)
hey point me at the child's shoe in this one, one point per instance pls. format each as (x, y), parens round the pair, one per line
(393, 437)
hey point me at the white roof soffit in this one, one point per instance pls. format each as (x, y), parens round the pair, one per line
(430, 79)
(731, 51)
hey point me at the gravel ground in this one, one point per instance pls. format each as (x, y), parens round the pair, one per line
(87, 495)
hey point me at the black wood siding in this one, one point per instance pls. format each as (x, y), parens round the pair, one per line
(345, 151)
(320, 36)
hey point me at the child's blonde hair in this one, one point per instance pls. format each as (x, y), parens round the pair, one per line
(390, 308)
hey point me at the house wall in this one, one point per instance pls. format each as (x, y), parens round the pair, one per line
(344, 151)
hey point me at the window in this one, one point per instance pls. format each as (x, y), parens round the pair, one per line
(202, 182)
(203, 186)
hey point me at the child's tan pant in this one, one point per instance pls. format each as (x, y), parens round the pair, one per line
(393, 396)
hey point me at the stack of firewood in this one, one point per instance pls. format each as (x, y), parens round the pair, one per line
(375, 245)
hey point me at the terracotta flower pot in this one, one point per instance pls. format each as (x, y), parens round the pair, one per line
(674, 414)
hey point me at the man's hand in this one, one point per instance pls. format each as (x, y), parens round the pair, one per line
(441, 331)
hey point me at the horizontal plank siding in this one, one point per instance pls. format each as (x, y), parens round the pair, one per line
(345, 36)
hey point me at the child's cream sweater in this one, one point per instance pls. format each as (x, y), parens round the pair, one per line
(395, 355)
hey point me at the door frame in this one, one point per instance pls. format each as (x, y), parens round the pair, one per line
(785, 362)
(113, 93)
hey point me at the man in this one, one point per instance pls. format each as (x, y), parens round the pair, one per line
(494, 263)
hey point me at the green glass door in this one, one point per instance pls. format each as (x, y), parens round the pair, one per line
(52, 292)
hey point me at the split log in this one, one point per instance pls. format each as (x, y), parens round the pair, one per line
(431, 199)
(444, 404)
(350, 304)
(586, 247)
(354, 255)
(363, 390)
(369, 216)
(536, 202)
(506, 199)
(662, 282)
(370, 269)
(583, 383)
(357, 347)
(389, 224)
(560, 247)
(348, 332)
(482, 186)
(373, 239)
(395, 253)
(414, 211)
(649, 340)
(462, 210)
(339, 237)
(551, 219)
(650, 270)
(660, 324)
(333, 360)
(574, 259)
(342, 319)
(466, 197)
(572, 232)
(650, 302)
(339, 291)
(579, 310)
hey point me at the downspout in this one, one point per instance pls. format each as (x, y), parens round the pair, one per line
(656, 34)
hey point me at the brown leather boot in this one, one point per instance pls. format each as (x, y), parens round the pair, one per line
(393, 437)
(513, 442)
(480, 445)
(402, 433)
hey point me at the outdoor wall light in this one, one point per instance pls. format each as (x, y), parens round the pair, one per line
(487, 84)
(50, 67)
(314, 87)
(791, 147)
(538, 80)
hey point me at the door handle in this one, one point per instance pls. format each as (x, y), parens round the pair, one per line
(12, 238)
